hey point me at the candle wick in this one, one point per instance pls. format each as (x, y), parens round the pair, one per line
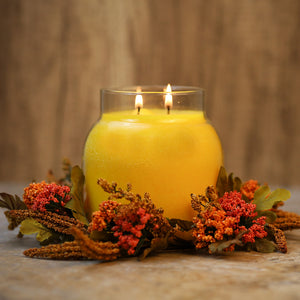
(139, 110)
(168, 109)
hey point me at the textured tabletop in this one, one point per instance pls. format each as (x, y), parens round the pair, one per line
(168, 275)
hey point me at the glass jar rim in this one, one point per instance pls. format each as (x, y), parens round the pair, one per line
(154, 89)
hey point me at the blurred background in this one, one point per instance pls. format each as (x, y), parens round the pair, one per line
(56, 55)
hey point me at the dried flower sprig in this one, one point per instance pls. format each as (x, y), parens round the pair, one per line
(47, 197)
(249, 188)
(132, 225)
(223, 219)
(116, 192)
(102, 218)
(245, 215)
(201, 203)
(213, 225)
(66, 179)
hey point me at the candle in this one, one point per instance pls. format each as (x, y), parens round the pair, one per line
(168, 155)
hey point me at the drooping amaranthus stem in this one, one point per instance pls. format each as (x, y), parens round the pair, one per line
(53, 221)
(67, 250)
(279, 237)
(95, 250)
(286, 220)
(82, 248)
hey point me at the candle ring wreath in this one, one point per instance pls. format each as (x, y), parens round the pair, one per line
(233, 215)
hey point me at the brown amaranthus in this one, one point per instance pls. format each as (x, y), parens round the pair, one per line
(287, 223)
(82, 248)
(285, 214)
(93, 249)
(67, 250)
(279, 237)
(286, 220)
(53, 221)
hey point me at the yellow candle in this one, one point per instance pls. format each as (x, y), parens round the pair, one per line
(168, 155)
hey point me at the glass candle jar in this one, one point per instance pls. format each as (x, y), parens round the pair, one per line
(157, 139)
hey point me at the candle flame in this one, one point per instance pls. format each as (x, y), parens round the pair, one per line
(168, 97)
(169, 89)
(138, 99)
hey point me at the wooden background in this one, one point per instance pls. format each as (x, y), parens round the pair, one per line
(56, 55)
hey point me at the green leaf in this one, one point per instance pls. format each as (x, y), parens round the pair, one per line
(76, 204)
(278, 195)
(219, 247)
(264, 199)
(237, 184)
(11, 202)
(227, 183)
(222, 182)
(31, 226)
(270, 216)
(181, 240)
(265, 246)
(186, 236)
(183, 224)
(261, 194)
(234, 183)
(156, 244)
(102, 236)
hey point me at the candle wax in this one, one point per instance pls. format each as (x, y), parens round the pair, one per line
(169, 156)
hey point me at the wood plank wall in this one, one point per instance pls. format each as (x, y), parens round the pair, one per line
(56, 55)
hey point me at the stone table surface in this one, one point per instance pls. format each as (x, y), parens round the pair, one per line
(168, 275)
